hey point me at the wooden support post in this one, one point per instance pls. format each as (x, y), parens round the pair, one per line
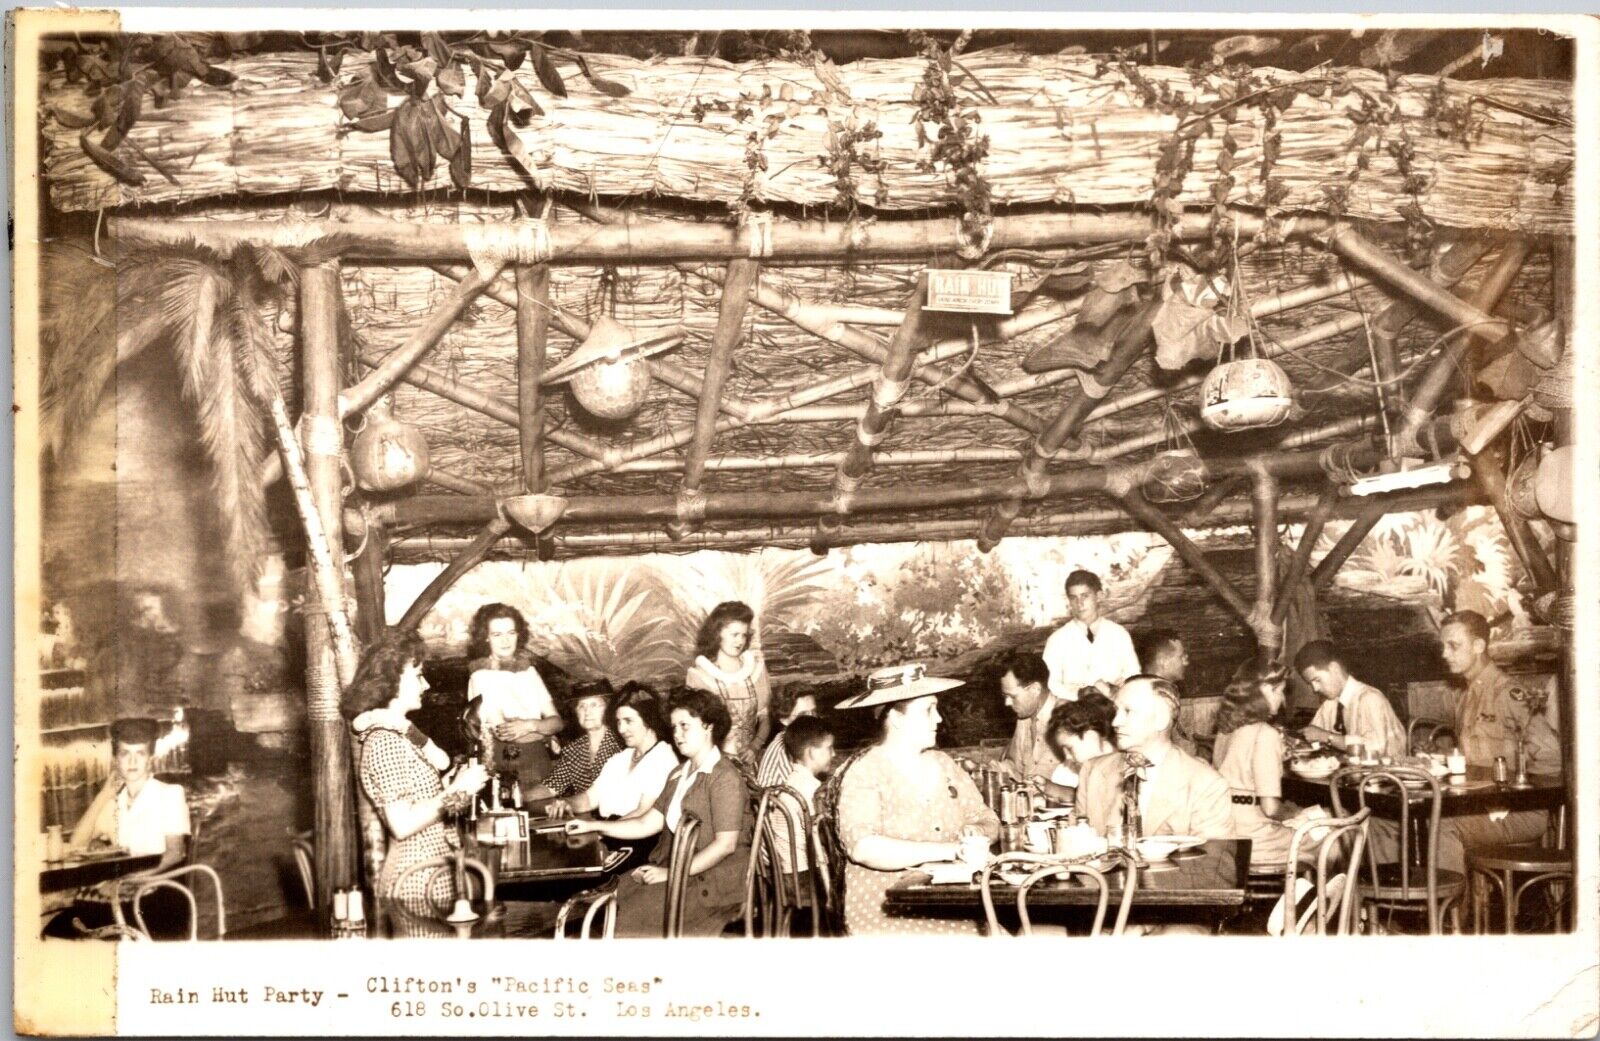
(1140, 509)
(1436, 381)
(459, 565)
(1315, 522)
(1329, 565)
(887, 389)
(533, 328)
(1264, 516)
(371, 620)
(328, 665)
(422, 340)
(1131, 341)
(736, 289)
(1488, 469)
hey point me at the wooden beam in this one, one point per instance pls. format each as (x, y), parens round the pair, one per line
(1329, 565)
(887, 388)
(330, 650)
(533, 330)
(1316, 520)
(632, 241)
(422, 340)
(1355, 248)
(737, 286)
(1264, 518)
(1140, 509)
(463, 562)
(1132, 340)
(367, 569)
(1489, 471)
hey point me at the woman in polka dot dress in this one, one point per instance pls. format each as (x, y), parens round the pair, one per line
(401, 773)
(903, 803)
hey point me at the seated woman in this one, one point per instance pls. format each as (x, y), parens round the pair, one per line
(727, 665)
(1078, 731)
(587, 705)
(142, 815)
(630, 781)
(1249, 755)
(515, 711)
(401, 772)
(709, 787)
(901, 803)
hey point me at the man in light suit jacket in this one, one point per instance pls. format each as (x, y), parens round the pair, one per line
(1178, 793)
(1350, 708)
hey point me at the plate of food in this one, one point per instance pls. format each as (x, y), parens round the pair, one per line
(1316, 768)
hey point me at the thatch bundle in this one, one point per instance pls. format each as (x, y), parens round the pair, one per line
(1492, 154)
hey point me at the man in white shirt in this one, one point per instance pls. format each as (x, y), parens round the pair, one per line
(1350, 711)
(1088, 651)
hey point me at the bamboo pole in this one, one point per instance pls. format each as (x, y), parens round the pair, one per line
(1329, 565)
(1140, 509)
(887, 388)
(1131, 341)
(422, 340)
(459, 565)
(1316, 520)
(1352, 246)
(1264, 518)
(368, 574)
(330, 649)
(632, 241)
(740, 282)
(533, 330)
(1436, 381)
(1077, 522)
(458, 484)
(1488, 469)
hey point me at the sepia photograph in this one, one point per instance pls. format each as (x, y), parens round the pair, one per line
(803, 479)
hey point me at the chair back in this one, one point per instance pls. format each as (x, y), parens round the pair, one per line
(683, 850)
(1046, 866)
(1422, 734)
(1338, 841)
(1425, 788)
(600, 902)
(469, 865)
(830, 847)
(773, 892)
(303, 861)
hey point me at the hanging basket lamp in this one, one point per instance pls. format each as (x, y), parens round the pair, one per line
(534, 513)
(1246, 393)
(387, 454)
(607, 371)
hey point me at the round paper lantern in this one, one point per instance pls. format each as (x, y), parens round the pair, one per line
(1552, 486)
(1245, 394)
(388, 454)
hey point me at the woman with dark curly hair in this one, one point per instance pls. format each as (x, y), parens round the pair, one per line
(1079, 731)
(1249, 755)
(402, 770)
(515, 712)
(708, 787)
(728, 665)
(630, 781)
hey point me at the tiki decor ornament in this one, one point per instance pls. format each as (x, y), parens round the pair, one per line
(388, 454)
(607, 371)
(1245, 393)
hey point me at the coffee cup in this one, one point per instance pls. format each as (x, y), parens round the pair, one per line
(1456, 764)
(974, 850)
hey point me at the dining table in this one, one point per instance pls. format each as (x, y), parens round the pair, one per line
(1207, 883)
(76, 872)
(1476, 793)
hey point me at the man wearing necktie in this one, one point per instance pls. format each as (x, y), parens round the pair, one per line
(1350, 709)
(1025, 686)
(1088, 651)
(1173, 792)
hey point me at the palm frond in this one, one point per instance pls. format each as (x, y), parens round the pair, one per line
(78, 341)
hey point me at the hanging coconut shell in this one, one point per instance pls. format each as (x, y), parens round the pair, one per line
(1245, 394)
(1552, 486)
(388, 454)
(606, 371)
(1520, 488)
(1177, 475)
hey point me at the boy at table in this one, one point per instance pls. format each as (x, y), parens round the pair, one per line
(808, 742)
(1350, 709)
(135, 811)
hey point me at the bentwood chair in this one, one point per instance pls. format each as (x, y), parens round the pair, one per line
(772, 894)
(1045, 867)
(601, 902)
(179, 880)
(1338, 841)
(683, 850)
(470, 867)
(1422, 734)
(1414, 881)
(830, 848)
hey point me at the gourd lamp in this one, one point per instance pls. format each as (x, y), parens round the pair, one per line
(1244, 394)
(388, 454)
(535, 513)
(607, 371)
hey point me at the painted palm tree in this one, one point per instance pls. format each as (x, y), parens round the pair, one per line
(778, 584)
(615, 626)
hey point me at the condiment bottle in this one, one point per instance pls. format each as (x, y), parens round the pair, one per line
(1501, 775)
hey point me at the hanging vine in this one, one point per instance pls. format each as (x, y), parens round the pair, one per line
(959, 147)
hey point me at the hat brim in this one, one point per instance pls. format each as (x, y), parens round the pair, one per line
(902, 692)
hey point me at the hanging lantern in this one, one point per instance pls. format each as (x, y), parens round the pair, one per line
(1552, 486)
(1520, 488)
(607, 371)
(1244, 394)
(388, 454)
(1177, 475)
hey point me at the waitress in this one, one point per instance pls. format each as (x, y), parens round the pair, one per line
(515, 710)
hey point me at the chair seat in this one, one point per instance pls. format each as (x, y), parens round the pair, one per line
(1519, 857)
(1386, 886)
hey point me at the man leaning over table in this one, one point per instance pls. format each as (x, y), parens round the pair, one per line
(1088, 651)
(1025, 684)
(1488, 719)
(1350, 708)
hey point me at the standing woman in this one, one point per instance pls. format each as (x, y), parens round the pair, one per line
(902, 803)
(728, 666)
(708, 787)
(1249, 755)
(515, 709)
(583, 755)
(401, 771)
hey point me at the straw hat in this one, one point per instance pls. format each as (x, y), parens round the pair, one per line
(610, 340)
(899, 683)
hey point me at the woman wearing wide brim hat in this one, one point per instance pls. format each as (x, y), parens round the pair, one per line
(902, 803)
(587, 707)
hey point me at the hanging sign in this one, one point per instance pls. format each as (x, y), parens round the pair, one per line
(969, 292)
